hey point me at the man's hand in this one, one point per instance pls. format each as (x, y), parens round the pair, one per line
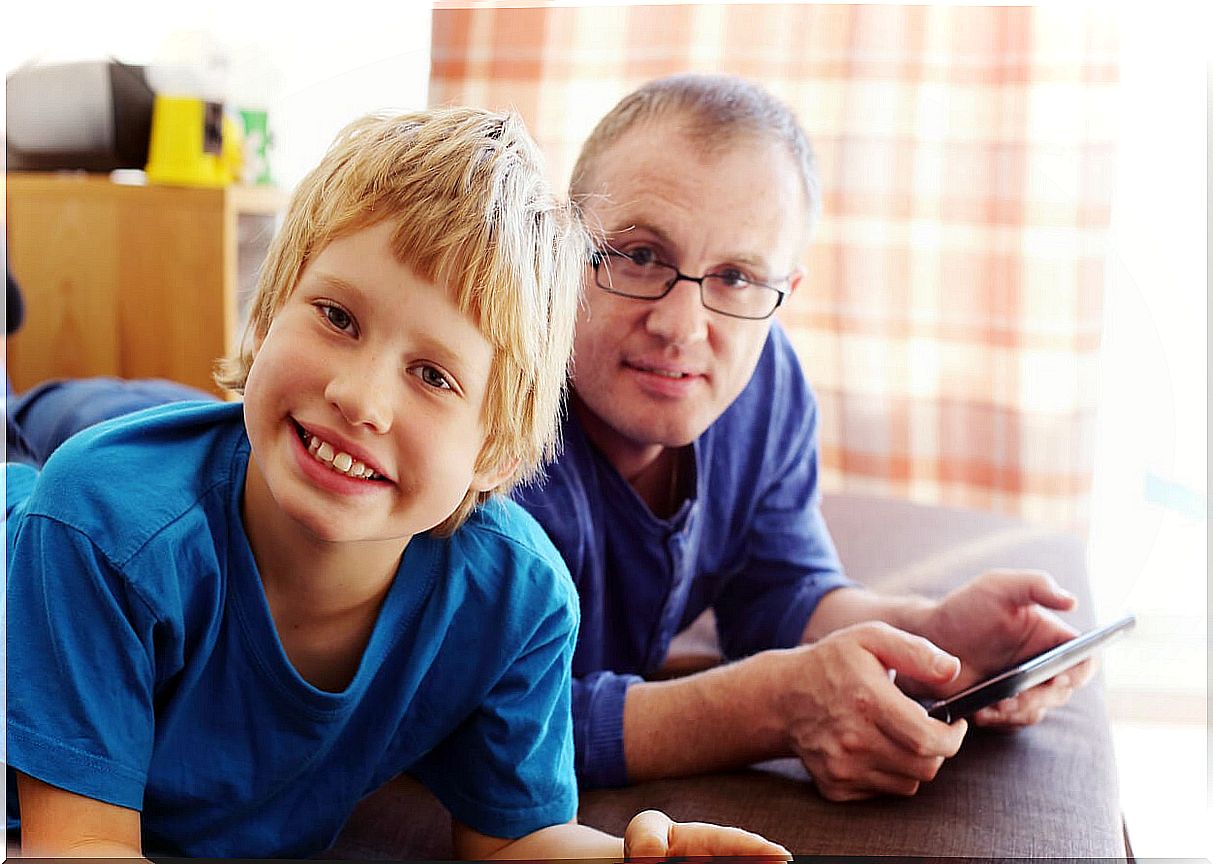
(652, 834)
(997, 620)
(856, 732)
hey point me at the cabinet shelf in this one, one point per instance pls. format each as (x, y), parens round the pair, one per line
(131, 281)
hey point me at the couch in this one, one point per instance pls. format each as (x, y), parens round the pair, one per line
(1046, 791)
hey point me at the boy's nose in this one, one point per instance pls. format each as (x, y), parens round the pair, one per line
(363, 394)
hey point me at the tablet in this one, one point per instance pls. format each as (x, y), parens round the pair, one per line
(1029, 673)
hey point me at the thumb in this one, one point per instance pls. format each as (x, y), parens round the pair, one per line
(1038, 586)
(647, 835)
(1025, 587)
(910, 654)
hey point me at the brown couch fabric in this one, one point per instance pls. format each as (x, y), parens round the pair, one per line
(1047, 791)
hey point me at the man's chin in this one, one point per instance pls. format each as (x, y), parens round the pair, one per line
(677, 434)
(644, 425)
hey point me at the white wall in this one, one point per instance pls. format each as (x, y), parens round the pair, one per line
(1148, 548)
(314, 67)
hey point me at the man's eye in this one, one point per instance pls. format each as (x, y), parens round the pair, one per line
(337, 316)
(434, 378)
(732, 278)
(642, 255)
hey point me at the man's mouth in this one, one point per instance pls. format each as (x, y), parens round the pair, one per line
(338, 460)
(674, 374)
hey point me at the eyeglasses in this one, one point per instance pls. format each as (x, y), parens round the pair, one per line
(639, 275)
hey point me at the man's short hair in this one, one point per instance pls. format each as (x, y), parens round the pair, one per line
(473, 211)
(716, 111)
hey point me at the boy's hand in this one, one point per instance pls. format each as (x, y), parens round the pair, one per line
(652, 834)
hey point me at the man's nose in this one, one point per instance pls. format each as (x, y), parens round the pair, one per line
(679, 317)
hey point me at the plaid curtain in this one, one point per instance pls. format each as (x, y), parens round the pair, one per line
(950, 322)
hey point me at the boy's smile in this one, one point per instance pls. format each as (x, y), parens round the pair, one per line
(363, 404)
(335, 469)
(328, 449)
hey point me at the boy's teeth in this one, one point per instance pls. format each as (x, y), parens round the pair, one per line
(339, 461)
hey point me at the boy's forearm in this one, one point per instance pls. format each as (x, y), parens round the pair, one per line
(100, 849)
(562, 841)
(56, 823)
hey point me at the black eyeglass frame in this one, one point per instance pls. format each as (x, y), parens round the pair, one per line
(599, 256)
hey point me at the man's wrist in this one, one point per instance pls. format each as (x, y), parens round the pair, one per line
(854, 605)
(915, 615)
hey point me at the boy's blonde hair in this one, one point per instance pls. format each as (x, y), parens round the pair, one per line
(473, 211)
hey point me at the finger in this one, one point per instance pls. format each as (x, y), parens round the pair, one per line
(1036, 586)
(873, 784)
(647, 835)
(700, 838)
(875, 754)
(908, 654)
(919, 734)
(1083, 672)
(1029, 707)
(907, 725)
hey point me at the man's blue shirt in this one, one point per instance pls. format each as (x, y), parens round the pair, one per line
(749, 543)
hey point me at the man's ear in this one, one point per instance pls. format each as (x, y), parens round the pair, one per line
(490, 478)
(795, 279)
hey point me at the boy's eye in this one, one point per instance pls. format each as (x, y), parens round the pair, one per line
(434, 378)
(336, 316)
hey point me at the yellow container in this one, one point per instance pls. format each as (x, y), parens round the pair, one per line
(187, 143)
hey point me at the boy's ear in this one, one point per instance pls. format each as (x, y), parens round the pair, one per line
(490, 478)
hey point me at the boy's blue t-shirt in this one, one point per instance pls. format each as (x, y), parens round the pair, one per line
(144, 668)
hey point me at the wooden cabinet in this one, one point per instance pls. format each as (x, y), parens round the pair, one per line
(131, 281)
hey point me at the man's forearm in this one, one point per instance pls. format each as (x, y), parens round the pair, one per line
(843, 607)
(719, 719)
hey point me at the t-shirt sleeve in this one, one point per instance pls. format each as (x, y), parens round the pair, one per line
(80, 667)
(508, 769)
(790, 561)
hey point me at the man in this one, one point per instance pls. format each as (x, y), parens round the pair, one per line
(689, 481)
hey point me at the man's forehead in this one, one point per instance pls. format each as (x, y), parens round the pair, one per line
(658, 181)
(673, 136)
(667, 155)
(650, 164)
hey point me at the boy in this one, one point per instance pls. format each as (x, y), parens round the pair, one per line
(229, 622)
